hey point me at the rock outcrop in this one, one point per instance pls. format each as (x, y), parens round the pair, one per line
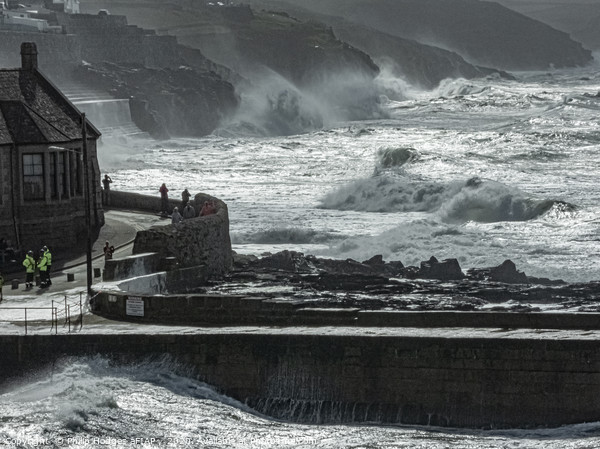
(301, 67)
(164, 102)
(421, 65)
(376, 284)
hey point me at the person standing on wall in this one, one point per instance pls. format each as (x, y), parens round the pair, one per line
(185, 198)
(106, 182)
(29, 264)
(164, 200)
(48, 256)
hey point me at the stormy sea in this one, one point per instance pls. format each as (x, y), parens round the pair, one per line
(478, 170)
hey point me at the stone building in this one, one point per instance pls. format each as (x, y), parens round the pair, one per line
(42, 171)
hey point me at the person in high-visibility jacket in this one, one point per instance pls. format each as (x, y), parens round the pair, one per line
(48, 256)
(29, 264)
(43, 267)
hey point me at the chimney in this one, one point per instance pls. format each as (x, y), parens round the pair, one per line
(28, 56)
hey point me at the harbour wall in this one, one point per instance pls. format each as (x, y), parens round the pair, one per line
(458, 382)
(202, 242)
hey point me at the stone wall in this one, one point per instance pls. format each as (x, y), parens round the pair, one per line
(195, 242)
(174, 306)
(135, 201)
(475, 382)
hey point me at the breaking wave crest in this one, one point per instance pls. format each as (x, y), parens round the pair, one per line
(474, 200)
(283, 235)
(459, 87)
(395, 157)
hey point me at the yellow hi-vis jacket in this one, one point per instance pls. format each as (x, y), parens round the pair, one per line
(48, 256)
(29, 264)
(43, 263)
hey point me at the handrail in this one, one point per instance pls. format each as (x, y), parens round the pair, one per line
(25, 309)
(56, 313)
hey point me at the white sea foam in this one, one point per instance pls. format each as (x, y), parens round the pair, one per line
(91, 402)
(535, 154)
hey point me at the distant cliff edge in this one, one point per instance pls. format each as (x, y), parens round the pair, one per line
(484, 33)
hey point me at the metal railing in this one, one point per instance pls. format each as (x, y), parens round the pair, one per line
(59, 310)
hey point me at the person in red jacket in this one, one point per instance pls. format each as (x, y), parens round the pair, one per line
(164, 199)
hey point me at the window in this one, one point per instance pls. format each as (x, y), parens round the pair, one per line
(62, 173)
(77, 165)
(53, 189)
(33, 176)
(58, 174)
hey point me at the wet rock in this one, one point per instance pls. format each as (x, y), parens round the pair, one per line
(394, 268)
(447, 270)
(243, 260)
(544, 281)
(291, 261)
(348, 266)
(349, 282)
(507, 273)
(375, 261)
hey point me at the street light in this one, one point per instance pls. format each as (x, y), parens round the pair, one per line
(88, 218)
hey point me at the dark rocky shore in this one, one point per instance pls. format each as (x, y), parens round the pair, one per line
(375, 284)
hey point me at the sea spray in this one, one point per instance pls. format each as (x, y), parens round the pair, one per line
(472, 200)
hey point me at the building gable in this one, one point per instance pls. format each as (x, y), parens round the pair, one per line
(44, 115)
(25, 126)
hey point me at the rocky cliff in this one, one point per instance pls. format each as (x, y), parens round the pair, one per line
(484, 33)
(179, 101)
(421, 65)
(424, 66)
(295, 75)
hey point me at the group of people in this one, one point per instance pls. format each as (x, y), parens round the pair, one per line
(43, 264)
(187, 211)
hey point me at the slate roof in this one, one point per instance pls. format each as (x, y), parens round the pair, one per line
(34, 111)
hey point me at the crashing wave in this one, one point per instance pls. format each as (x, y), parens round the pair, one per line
(458, 88)
(282, 235)
(395, 157)
(474, 200)
(489, 201)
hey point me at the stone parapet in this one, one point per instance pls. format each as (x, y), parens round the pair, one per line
(193, 242)
(214, 309)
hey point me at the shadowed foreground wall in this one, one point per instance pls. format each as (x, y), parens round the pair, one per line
(475, 382)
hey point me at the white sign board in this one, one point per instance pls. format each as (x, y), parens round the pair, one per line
(134, 306)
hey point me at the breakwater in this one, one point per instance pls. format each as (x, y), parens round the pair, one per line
(490, 382)
(202, 242)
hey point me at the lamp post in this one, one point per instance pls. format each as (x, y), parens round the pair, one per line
(87, 192)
